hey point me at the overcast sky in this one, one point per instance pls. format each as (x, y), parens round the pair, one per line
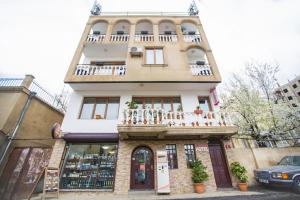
(39, 37)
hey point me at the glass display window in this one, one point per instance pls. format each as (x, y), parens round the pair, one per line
(89, 166)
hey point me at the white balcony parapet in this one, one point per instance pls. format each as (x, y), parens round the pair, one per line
(89, 70)
(201, 70)
(144, 38)
(95, 38)
(119, 38)
(168, 38)
(174, 119)
(192, 38)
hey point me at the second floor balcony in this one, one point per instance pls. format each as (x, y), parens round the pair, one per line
(105, 69)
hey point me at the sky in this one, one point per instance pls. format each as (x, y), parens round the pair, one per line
(39, 37)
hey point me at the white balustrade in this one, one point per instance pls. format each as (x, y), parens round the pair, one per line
(95, 38)
(88, 70)
(175, 119)
(168, 38)
(119, 38)
(144, 38)
(192, 38)
(201, 70)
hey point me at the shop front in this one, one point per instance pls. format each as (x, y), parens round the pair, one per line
(89, 162)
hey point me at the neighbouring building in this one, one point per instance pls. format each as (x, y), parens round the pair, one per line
(27, 114)
(137, 81)
(290, 92)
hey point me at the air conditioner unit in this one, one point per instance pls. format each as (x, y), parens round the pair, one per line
(136, 51)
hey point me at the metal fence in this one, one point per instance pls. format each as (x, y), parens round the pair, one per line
(41, 93)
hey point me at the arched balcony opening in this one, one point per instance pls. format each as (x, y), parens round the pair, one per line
(190, 32)
(167, 31)
(198, 62)
(144, 31)
(120, 32)
(98, 32)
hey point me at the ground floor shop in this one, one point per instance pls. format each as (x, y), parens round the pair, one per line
(121, 166)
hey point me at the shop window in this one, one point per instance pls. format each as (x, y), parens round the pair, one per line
(190, 154)
(100, 108)
(290, 98)
(89, 166)
(154, 56)
(172, 156)
(204, 103)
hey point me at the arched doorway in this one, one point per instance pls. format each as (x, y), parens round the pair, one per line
(142, 169)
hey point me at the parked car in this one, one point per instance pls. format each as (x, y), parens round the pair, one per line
(285, 173)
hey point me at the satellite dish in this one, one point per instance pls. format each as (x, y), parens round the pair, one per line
(96, 9)
(193, 10)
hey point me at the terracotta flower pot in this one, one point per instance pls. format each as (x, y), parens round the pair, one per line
(199, 187)
(243, 186)
(198, 112)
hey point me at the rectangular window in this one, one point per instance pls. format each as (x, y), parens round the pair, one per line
(169, 104)
(89, 166)
(290, 97)
(154, 56)
(294, 86)
(172, 156)
(190, 154)
(298, 94)
(285, 90)
(100, 108)
(204, 103)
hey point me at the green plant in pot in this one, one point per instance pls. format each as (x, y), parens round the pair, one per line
(199, 175)
(132, 105)
(240, 173)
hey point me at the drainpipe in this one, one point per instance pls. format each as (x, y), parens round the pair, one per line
(26, 83)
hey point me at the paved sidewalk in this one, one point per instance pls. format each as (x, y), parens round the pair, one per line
(109, 196)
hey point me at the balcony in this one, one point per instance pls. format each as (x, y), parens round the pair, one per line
(91, 70)
(95, 38)
(192, 38)
(144, 38)
(119, 38)
(200, 70)
(159, 123)
(167, 38)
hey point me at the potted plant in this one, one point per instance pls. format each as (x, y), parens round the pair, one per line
(198, 111)
(240, 172)
(132, 105)
(199, 175)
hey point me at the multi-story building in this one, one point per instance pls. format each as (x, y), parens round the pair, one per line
(290, 92)
(143, 83)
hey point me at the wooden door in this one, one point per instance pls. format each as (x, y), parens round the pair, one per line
(219, 165)
(142, 169)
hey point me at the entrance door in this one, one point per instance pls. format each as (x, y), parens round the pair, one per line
(219, 164)
(142, 169)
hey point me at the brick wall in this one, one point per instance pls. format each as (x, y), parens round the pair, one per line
(180, 178)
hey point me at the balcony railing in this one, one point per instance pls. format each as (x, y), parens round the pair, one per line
(95, 38)
(175, 119)
(192, 38)
(201, 70)
(144, 38)
(89, 70)
(168, 38)
(119, 38)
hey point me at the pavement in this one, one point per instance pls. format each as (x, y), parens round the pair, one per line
(257, 193)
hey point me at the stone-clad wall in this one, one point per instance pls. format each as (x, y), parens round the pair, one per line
(180, 179)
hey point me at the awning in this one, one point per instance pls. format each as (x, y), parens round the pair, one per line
(91, 137)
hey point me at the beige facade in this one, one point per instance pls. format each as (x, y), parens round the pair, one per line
(137, 70)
